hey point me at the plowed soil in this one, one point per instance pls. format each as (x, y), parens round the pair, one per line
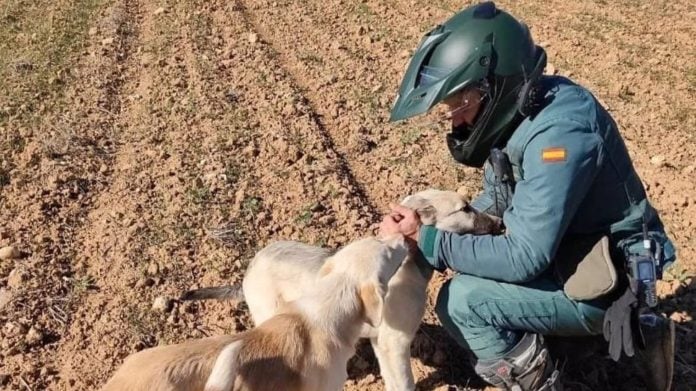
(147, 148)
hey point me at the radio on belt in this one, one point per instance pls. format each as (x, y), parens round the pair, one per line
(644, 271)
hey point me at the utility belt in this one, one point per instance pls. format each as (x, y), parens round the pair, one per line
(593, 266)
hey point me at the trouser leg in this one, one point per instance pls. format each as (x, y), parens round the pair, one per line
(502, 325)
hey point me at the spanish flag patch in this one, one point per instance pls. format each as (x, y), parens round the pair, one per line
(553, 155)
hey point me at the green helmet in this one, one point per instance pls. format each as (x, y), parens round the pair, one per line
(480, 46)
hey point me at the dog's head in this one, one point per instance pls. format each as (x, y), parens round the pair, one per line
(369, 264)
(450, 211)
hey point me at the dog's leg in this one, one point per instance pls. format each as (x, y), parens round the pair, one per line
(393, 351)
(384, 367)
(225, 369)
(403, 310)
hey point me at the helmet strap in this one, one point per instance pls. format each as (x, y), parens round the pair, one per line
(527, 100)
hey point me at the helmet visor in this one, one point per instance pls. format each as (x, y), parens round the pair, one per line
(429, 75)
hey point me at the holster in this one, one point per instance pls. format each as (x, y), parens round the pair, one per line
(584, 266)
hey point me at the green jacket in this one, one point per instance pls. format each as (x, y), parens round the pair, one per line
(573, 176)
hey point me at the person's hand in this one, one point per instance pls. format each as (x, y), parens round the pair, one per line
(401, 220)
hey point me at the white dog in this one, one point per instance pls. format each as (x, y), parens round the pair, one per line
(283, 271)
(305, 346)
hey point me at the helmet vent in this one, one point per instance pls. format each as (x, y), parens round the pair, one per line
(485, 10)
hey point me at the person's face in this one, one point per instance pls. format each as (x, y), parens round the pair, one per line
(464, 106)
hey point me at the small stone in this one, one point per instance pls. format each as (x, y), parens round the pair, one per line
(253, 37)
(14, 329)
(9, 252)
(144, 282)
(158, 11)
(93, 31)
(16, 279)
(327, 220)
(369, 379)
(551, 69)
(287, 230)
(107, 41)
(162, 304)
(5, 298)
(33, 337)
(103, 168)
(153, 269)
(658, 160)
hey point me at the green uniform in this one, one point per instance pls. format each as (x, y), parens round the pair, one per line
(573, 177)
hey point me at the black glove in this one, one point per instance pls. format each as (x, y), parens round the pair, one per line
(620, 322)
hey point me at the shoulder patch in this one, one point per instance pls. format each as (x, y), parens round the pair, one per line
(554, 155)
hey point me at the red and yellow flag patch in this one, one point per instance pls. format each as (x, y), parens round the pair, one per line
(554, 155)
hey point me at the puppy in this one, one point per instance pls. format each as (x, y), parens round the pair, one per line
(282, 271)
(304, 347)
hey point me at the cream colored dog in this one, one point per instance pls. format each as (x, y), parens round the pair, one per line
(305, 346)
(283, 271)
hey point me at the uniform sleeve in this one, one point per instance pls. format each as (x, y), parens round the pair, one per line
(559, 164)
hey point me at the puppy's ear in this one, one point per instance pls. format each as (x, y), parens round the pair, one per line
(372, 299)
(426, 211)
(427, 214)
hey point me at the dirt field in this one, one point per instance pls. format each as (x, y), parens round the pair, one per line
(147, 148)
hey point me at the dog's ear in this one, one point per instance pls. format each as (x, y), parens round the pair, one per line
(426, 211)
(372, 299)
(427, 214)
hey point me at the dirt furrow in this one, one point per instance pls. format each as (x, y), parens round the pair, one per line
(68, 145)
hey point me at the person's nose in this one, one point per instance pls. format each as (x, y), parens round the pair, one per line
(461, 117)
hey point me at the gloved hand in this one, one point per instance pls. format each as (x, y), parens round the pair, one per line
(620, 322)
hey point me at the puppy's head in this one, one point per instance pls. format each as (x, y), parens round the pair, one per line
(369, 264)
(450, 211)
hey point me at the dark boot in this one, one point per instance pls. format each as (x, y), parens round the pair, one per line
(657, 359)
(527, 367)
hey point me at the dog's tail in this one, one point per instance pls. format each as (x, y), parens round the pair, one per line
(225, 369)
(227, 292)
